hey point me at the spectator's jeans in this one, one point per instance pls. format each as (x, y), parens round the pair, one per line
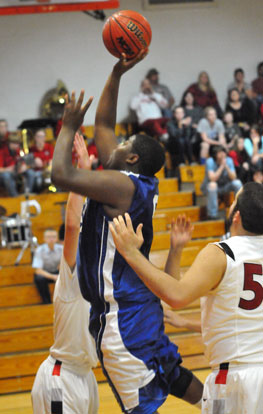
(8, 179)
(214, 191)
(42, 283)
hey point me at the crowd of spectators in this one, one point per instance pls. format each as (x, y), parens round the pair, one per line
(192, 130)
(227, 139)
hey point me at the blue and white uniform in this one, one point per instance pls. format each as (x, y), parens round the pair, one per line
(126, 318)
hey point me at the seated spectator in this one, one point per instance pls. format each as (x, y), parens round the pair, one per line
(153, 77)
(241, 160)
(244, 113)
(14, 168)
(232, 130)
(3, 132)
(257, 85)
(179, 142)
(254, 146)
(204, 93)
(43, 154)
(46, 263)
(192, 111)
(148, 106)
(257, 175)
(239, 83)
(220, 178)
(212, 133)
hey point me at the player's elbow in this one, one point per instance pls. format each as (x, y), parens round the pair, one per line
(178, 301)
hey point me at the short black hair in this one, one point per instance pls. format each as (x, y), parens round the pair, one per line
(238, 70)
(151, 154)
(259, 66)
(216, 149)
(250, 205)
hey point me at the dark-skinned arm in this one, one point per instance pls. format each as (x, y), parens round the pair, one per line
(105, 120)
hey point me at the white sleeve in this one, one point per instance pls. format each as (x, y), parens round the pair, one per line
(161, 101)
(37, 259)
(135, 102)
(67, 285)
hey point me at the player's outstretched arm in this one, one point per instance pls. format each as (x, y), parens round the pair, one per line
(105, 120)
(74, 206)
(181, 233)
(204, 275)
(111, 188)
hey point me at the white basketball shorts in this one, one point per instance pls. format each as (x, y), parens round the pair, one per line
(234, 390)
(57, 390)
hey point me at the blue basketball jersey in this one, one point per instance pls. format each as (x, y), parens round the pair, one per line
(126, 317)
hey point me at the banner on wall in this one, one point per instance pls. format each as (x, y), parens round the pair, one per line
(8, 7)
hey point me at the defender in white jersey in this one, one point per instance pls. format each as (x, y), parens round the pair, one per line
(229, 278)
(65, 382)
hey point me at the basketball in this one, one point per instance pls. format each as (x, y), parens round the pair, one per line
(126, 32)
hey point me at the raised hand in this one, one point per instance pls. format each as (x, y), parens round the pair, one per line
(125, 64)
(84, 159)
(181, 232)
(74, 111)
(125, 238)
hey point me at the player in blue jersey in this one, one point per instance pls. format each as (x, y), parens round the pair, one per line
(140, 363)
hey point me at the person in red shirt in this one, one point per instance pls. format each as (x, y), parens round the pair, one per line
(3, 132)
(204, 93)
(12, 166)
(43, 154)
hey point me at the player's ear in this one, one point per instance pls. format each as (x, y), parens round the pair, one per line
(132, 158)
(237, 217)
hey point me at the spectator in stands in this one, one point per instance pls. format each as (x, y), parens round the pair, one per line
(43, 153)
(232, 130)
(240, 84)
(241, 160)
(148, 106)
(13, 167)
(3, 132)
(220, 178)
(153, 77)
(257, 85)
(191, 110)
(179, 142)
(257, 175)
(244, 112)
(212, 133)
(254, 146)
(204, 93)
(46, 263)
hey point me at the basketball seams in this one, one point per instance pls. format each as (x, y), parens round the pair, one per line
(138, 22)
(113, 43)
(126, 33)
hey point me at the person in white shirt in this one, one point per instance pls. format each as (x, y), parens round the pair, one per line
(65, 382)
(148, 106)
(228, 278)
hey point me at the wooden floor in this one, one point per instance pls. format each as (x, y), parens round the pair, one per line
(21, 403)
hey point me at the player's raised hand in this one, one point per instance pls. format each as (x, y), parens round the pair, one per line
(125, 64)
(124, 236)
(84, 159)
(181, 232)
(74, 111)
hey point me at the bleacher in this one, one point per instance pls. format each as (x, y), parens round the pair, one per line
(26, 331)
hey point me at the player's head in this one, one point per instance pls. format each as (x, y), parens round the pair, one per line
(248, 205)
(140, 153)
(150, 152)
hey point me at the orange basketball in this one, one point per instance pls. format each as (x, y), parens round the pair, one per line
(126, 32)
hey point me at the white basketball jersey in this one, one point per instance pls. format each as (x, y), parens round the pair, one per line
(73, 344)
(232, 314)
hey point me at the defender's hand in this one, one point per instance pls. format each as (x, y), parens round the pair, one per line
(181, 232)
(84, 160)
(125, 239)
